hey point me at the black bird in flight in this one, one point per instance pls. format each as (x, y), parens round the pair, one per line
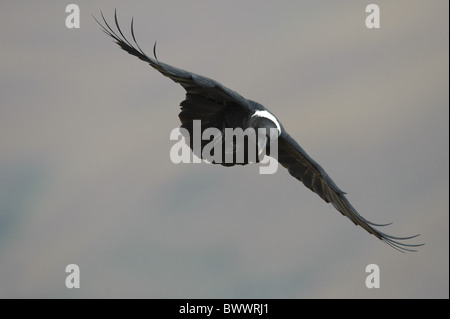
(218, 106)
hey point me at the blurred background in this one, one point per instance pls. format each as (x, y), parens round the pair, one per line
(86, 178)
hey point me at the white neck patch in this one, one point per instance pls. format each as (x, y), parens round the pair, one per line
(269, 116)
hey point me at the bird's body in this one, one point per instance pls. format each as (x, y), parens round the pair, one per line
(216, 106)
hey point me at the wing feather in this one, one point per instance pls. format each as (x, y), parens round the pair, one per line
(301, 166)
(191, 82)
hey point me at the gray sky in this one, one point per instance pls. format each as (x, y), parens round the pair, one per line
(86, 178)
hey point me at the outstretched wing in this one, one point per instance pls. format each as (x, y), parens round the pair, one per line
(192, 83)
(309, 172)
(206, 99)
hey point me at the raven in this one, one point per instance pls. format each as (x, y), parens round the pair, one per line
(219, 107)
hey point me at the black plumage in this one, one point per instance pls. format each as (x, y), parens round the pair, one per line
(219, 107)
